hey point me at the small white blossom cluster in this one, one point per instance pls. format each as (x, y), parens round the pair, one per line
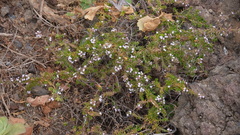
(125, 46)
(169, 130)
(38, 34)
(185, 89)
(51, 99)
(130, 70)
(108, 52)
(160, 99)
(129, 85)
(94, 30)
(93, 40)
(100, 98)
(201, 96)
(107, 45)
(117, 68)
(96, 57)
(113, 30)
(70, 59)
(173, 58)
(206, 39)
(82, 69)
(24, 77)
(93, 102)
(159, 111)
(81, 54)
(129, 113)
(116, 109)
(199, 60)
(139, 106)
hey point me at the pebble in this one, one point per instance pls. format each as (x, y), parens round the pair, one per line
(4, 11)
(28, 15)
(17, 44)
(39, 91)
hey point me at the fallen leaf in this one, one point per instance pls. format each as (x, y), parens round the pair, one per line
(46, 110)
(127, 9)
(42, 123)
(54, 104)
(148, 23)
(28, 128)
(94, 113)
(91, 12)
(48, 107)
(16, 120)
(29, 131)
(168, 17)
(41, 100)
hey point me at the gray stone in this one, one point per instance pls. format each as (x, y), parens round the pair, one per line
(219, 111)
(28, 15)
(17, 44)
(39, 91)
(5, 11)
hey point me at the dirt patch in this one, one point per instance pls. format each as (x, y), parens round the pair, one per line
(218, 111)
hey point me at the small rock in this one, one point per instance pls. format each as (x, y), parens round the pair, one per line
(32, 69)
(4, 11)
(17, 44)
(28, 47)
(28, 15)
(39, 91)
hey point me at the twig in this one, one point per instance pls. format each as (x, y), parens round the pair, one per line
(10, 35)
(44, 20)
(5, 105)
(23, 55)
(41, 9)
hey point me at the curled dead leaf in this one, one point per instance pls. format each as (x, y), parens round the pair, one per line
(48, 107)
(91, 12)
(148, 23)
(41, 100)
(127, 9)
(16, 120)
(168, 17)
(42, 123)
(29, 131)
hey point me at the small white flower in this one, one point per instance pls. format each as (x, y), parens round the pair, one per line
(38, 34)
(93, 40)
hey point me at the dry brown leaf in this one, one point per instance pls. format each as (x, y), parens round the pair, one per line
(91, 12)
(48, 107)
(46, 110)
(42, 123)
(49, 13)
(148, 23)
(168, 17)
(29, 131)
(54, 104)
(94, 113)
(127, 9)
(41, 100)
(16, 120)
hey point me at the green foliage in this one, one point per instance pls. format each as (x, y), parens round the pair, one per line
(115, 69)
(7, 128)
(86, 3)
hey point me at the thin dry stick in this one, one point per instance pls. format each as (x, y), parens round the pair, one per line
(10, 35)
(44, 20)
(24, 55)
(41, 9)
(10, 45)
(5, 105)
